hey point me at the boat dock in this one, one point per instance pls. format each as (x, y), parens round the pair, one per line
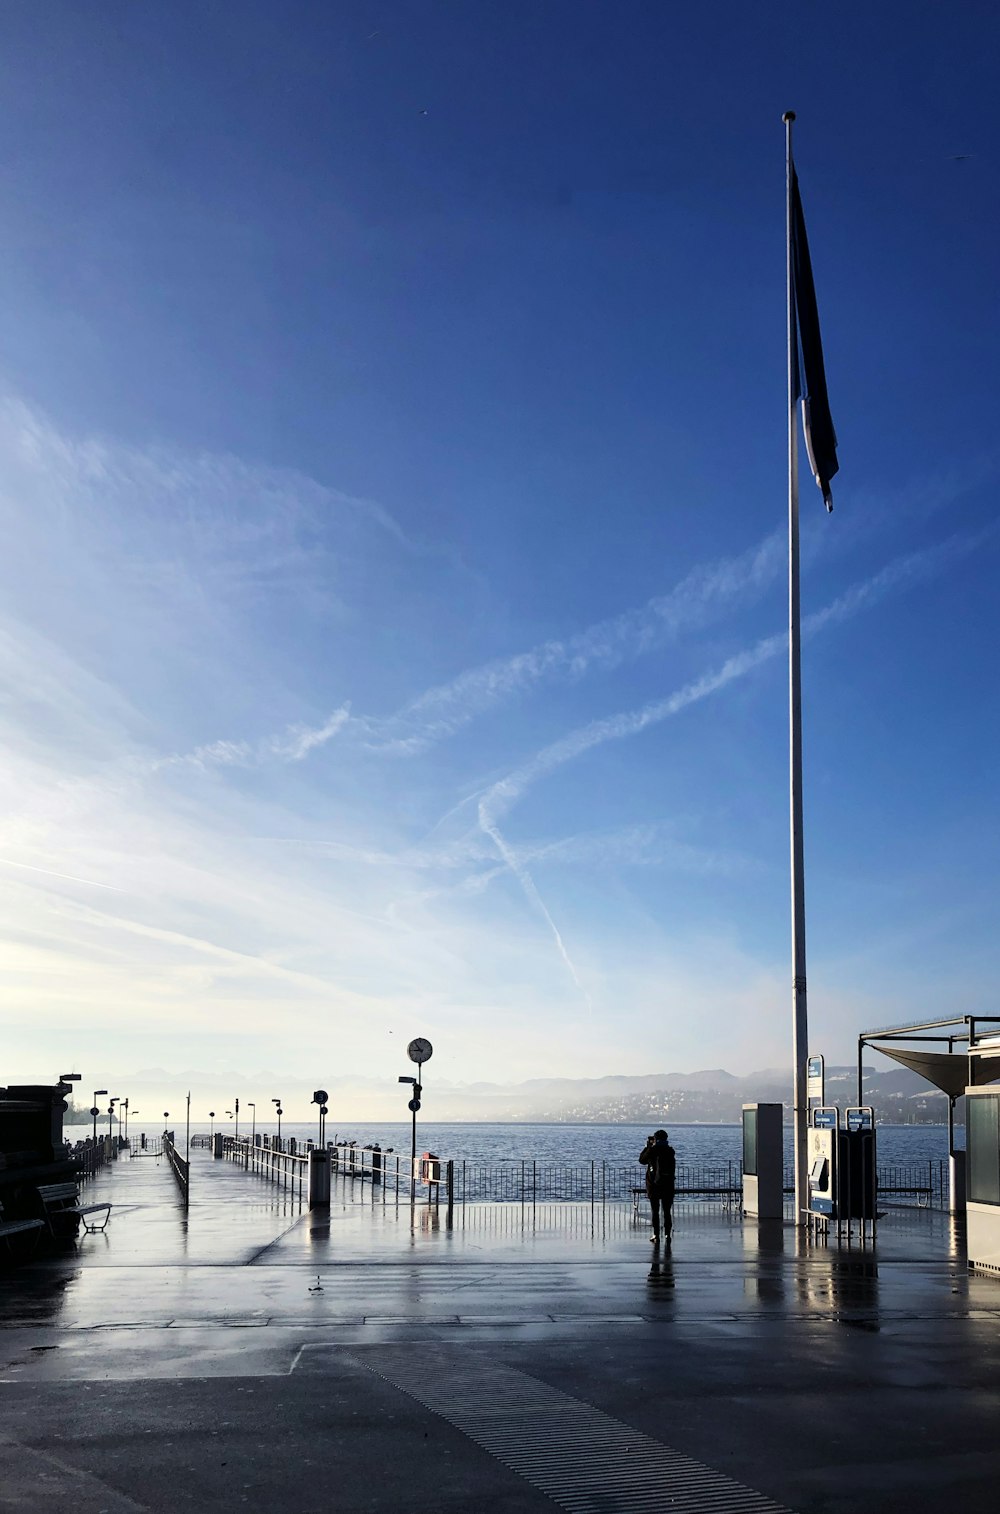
(248, 1352)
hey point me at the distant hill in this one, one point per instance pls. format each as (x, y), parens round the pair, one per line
(711, 1096)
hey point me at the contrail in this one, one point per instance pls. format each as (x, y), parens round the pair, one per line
(66, 877)
(527, 883)
(499, 799)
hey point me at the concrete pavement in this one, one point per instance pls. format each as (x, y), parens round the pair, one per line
(251, 1353)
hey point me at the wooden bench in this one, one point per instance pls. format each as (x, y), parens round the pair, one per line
(14, 1227)
(60, 1198)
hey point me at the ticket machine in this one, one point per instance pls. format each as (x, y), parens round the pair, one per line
(823, 1152)
(763, 1161)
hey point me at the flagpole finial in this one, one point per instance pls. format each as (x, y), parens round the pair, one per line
(788, 116)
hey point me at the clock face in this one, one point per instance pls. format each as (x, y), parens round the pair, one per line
(419, 1050)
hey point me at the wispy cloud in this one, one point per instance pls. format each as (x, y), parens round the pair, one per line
(503, 795)
(292, 745)
(699, 597)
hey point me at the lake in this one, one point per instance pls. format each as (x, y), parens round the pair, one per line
(616, 1144)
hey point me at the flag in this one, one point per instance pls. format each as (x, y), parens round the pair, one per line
(807, 349)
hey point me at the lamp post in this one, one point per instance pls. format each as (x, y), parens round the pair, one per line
(253, 1122)
(94, 1111)
(279, 1111)
(237, 1131)
(111, 1113)
(320, 1097)
(125, 1107)
(419, 1051)
(166, 1117)
(211, 1128)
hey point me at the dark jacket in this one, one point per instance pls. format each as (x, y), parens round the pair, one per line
(660, 1162)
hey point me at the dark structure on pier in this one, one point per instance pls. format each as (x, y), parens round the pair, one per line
(34, 1157)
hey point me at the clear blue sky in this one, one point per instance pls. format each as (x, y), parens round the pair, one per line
(392, 426)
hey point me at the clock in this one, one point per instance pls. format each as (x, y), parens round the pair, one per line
(420, 1050)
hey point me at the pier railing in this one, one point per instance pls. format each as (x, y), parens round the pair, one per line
(90, 1155)
(178, 1166)
(288, 1169)
(381, 1175)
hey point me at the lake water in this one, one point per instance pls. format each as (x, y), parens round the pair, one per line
(618, 1145)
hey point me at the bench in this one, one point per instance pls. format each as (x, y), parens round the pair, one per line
(14, 1227)
(729, 1196)
(60, 1198)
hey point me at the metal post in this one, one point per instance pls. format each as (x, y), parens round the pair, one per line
(800, 1025)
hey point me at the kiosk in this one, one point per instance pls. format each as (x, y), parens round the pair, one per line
(763, 1161)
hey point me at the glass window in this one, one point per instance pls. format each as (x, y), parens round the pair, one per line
(982, 1139)
(750, 1142)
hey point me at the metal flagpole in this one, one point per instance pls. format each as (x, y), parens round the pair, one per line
(800, 1022)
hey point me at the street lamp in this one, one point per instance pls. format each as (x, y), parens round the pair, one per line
(253, 1122)
(111, 1113)
(125, 1107)
(279, 1111)
(166, 1117)
(94, 1109)
(211, 1128)
(66, 1080)
(236, 1133)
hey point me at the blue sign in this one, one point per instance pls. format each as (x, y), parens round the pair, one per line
(860, 1119)
(825, 1119)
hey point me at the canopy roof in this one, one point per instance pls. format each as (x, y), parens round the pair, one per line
(952, 1072)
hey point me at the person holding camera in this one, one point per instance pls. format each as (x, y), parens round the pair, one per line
(660, 1161)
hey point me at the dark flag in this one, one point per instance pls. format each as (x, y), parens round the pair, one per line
(810, 375)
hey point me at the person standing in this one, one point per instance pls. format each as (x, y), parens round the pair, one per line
(660, 1161)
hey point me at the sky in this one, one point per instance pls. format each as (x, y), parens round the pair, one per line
(393, 495)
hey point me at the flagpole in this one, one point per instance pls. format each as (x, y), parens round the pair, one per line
(800, 1022)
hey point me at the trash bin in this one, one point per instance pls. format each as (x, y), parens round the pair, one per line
(319, 1179)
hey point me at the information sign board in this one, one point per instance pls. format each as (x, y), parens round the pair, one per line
(815, 1079)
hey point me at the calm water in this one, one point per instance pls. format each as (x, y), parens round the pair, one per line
(571, 1144)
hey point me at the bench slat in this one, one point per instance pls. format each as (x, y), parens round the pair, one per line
(11, 1227)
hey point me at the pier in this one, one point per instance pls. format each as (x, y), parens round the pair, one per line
(248, 1352)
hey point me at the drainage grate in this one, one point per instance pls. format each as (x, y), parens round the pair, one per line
(584, 1460)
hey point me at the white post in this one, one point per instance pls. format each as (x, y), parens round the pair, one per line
(800, 1022)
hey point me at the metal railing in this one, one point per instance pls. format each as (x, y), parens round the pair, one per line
(921, 1185)
(382, 1175)
(531, 1181)
(289, 1169)
(90, 1155)
(178, 1166)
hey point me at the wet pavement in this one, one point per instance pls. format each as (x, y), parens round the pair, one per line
(252, 1353)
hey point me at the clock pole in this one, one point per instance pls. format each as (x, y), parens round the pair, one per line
(419, 1051)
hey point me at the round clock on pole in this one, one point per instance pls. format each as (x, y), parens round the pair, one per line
(420, 1050)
